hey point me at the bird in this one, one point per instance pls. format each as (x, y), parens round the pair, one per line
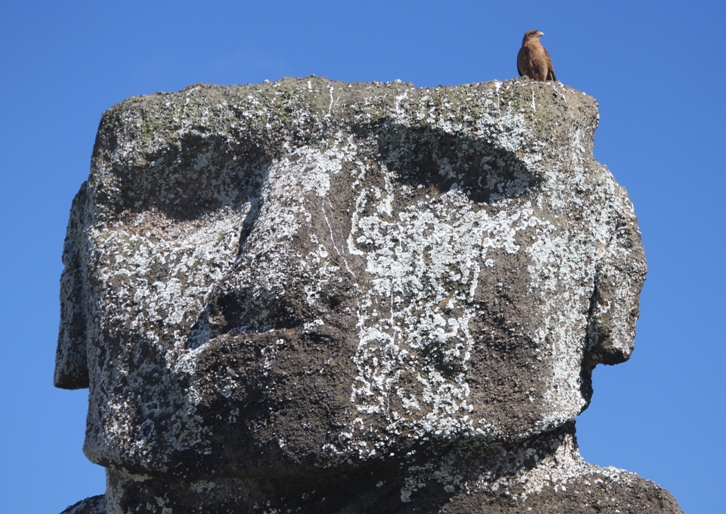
(533, 60)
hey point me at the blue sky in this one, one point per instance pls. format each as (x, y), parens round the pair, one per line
(656, 68)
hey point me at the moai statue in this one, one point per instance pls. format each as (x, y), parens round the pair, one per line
(320, 297)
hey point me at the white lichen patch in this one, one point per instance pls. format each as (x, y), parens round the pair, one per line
(424, 265)
(156, 270)
(556, 471)
(443, 472)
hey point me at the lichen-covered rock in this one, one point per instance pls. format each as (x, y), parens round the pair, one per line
(314, 296)
(92, 505)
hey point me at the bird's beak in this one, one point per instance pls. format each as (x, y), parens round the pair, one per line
(540, 34)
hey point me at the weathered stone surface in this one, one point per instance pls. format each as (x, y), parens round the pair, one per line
(314, 296)
(93, 505)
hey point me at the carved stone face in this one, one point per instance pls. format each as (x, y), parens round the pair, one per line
(252, 304)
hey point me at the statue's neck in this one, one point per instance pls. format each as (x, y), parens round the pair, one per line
(395, 486)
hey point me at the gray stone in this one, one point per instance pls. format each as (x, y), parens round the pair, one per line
(92, 505)
(315, 296)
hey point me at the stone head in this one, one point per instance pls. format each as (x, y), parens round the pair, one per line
(310, 274)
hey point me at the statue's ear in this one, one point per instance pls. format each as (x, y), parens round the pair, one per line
(71, 364)
(615, 302)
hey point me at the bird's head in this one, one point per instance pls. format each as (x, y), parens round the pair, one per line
(532, 34)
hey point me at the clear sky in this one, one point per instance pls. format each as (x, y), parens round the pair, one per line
(657, 69)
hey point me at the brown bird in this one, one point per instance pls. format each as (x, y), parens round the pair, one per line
(533, 60)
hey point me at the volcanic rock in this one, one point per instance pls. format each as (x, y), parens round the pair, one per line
(316, 296)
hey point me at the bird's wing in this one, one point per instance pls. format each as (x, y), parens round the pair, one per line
(550, 68)
(519, 67)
